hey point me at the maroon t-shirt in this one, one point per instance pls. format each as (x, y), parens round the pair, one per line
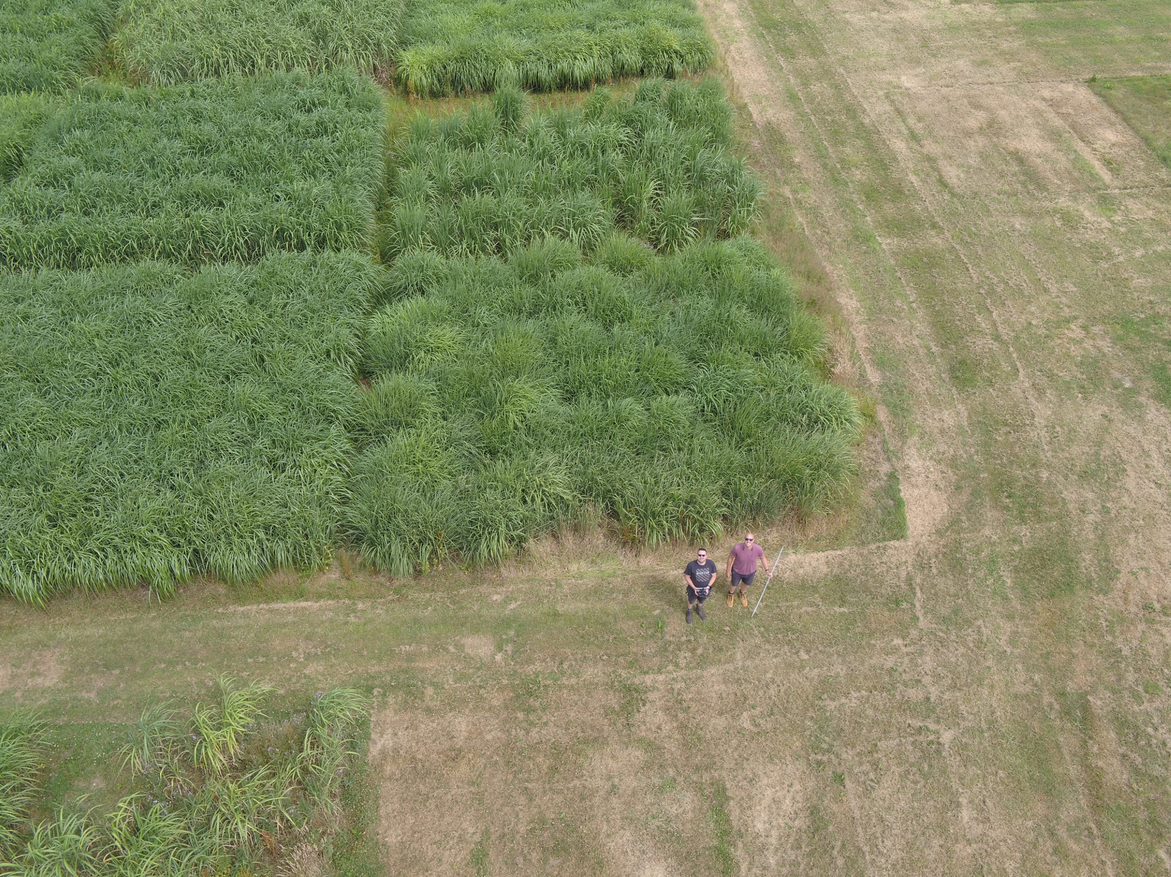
(744, 558)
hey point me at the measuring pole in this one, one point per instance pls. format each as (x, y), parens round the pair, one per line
(772, 572)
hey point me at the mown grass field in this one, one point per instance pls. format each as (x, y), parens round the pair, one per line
(1145, 103)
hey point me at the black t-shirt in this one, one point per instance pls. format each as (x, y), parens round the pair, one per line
(701, 575)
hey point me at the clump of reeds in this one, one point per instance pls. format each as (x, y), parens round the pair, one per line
(222, 170)
(48, 45)
(21, 761)
(168, 41)
(463, 46)
(496, 178)
(223, 789)
(158, 424)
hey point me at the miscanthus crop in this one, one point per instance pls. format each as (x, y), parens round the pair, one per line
(567, 335)
(221, 170)
(167, 41)
(221, 788)
(461, 46)
(47, 45)
(157, 424)
(487, 181)
(668, 393)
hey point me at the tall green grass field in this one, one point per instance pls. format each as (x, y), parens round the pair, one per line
(159, 424)
(466, 46)
(575, 330)
(226, 170)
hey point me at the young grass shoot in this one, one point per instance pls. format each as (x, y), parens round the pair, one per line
(224, 789)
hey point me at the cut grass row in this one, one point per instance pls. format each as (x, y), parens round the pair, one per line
(158, 424)
(528, 374)
(218, 171)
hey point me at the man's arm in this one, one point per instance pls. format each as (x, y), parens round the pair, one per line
(715, 575)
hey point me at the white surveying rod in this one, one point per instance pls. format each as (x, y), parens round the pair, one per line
(772, 572)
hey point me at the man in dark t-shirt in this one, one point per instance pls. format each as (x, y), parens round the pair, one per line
(700, 575)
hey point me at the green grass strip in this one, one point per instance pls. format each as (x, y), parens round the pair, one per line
(1145, 103)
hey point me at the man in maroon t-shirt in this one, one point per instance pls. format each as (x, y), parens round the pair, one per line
(742, 564)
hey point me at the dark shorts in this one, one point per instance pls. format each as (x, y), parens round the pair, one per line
(739, 579)
(697, 596)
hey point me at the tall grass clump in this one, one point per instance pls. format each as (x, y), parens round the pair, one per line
(673, 393)
(21, 116)
(225, 789)
(465, 46)
(158, 424)
(169, 41)
(217, 171)
(497, 178)
(21, 761)
(48, 45)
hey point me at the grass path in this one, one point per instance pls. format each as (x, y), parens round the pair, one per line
(989, 695)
